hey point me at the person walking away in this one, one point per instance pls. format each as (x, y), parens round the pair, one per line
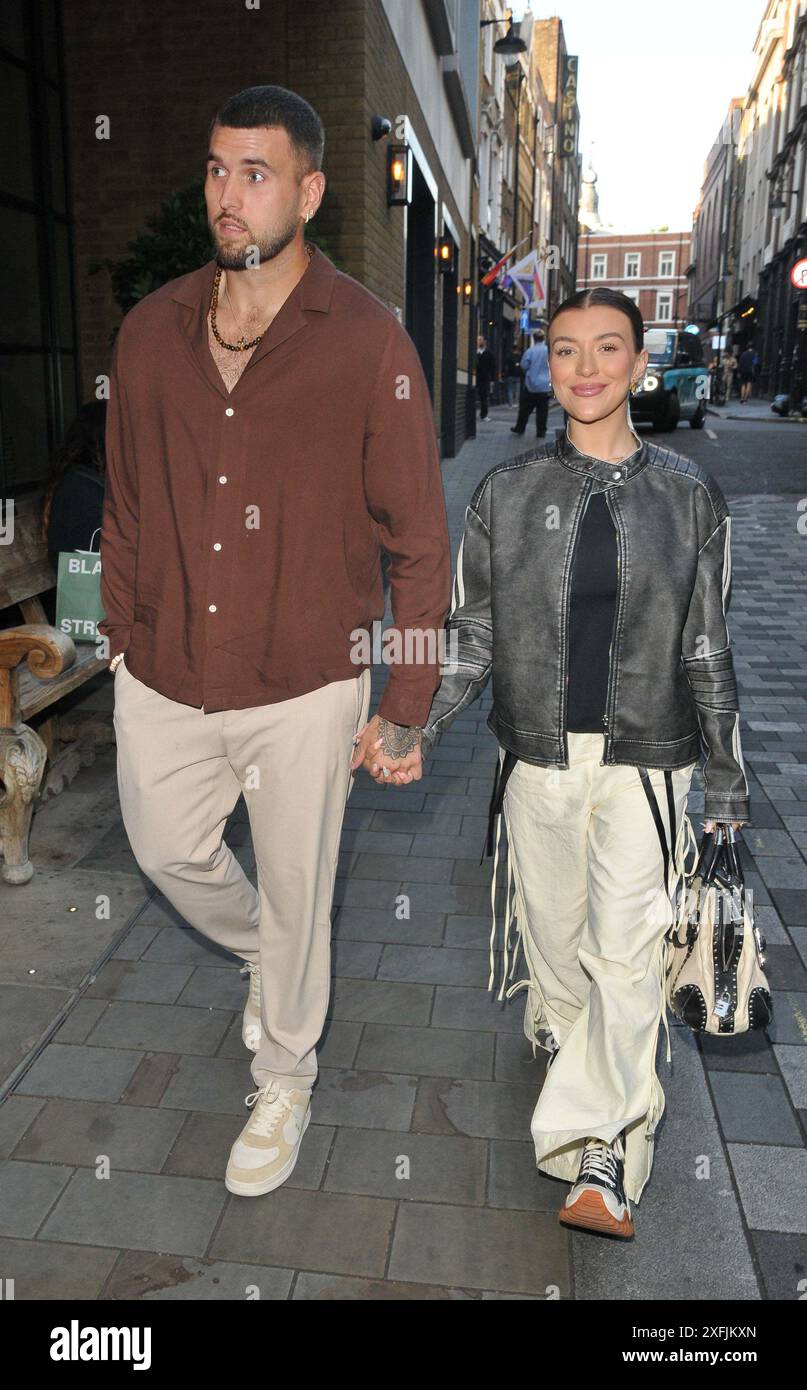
(729, 369)
(535, 395)
(513, 377)
(745, 367)
(485, 374)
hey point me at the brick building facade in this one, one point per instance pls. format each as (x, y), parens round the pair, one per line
(650, 267)
(146, 79)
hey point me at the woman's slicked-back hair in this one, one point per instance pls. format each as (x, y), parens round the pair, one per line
(600, 294)
(277, 106)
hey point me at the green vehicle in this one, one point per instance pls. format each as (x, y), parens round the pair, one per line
(676, 382)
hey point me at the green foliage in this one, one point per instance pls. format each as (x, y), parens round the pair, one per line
(175, 242)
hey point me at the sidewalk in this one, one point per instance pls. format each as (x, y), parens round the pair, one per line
(753, 410)
(418, 1063)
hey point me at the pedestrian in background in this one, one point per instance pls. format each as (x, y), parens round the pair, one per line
(73, 501)
(485, 374)
(513, 377)
(745, 368)
(535, 395)
(729, 370)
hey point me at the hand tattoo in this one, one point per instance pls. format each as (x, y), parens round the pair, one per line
(398, 739)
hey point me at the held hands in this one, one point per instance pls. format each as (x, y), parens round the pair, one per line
(709, 825)
(395, 747)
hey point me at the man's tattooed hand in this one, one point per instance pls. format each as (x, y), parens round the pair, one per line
(397, 740)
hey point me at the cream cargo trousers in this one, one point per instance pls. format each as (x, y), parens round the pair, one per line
(591, 911)
(181, 772)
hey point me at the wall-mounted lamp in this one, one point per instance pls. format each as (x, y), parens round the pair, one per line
(467, 291)
(379, 127)
(511, 42)
(777, 204)
(399, 175)
(444, 251)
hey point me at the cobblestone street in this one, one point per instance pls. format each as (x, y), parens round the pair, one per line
(132, 1046)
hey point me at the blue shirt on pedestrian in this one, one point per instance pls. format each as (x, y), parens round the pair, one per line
(535, 365)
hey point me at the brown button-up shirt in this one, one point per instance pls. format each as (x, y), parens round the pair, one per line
(241, 535)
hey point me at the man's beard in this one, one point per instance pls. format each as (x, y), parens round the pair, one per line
(234, 257)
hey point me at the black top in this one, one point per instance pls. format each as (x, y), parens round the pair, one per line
(485, 365)
(592, 604)
(76, 511)
(591, 617)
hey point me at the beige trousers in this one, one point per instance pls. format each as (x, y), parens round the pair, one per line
(180, 774)
(591, 911)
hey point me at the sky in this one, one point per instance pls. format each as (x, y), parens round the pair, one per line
(654, 83)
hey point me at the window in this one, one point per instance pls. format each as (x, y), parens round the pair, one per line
(664, 306)
(38, 376)
(487, 47)
(599, 265)
(666, 264)
(632, 265)
(508, 162)
(632, 294)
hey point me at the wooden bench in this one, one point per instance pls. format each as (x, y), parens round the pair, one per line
(38, 666)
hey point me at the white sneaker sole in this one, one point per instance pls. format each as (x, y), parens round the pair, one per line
(258, 1189)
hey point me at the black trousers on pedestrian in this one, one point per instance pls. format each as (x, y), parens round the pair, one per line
(533, 400)
(483, 389)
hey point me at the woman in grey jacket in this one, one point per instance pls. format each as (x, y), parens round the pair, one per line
(592, 585)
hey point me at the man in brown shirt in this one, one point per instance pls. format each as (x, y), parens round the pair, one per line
(269, 429)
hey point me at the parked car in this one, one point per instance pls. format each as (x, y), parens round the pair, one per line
(676, 383)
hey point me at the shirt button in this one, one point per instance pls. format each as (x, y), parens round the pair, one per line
(229, 411)
(223, 478)
(217, 545)
(211, 608)
(617, 473)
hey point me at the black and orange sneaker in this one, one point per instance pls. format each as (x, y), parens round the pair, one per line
(597, 1201)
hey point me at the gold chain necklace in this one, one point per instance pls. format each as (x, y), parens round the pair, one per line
(242, 345)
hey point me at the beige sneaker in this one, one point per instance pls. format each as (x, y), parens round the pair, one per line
(265, 1152)
(251, 1032)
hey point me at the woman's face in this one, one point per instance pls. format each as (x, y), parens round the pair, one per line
(593, 360)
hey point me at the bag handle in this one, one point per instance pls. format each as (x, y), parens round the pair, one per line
(90, 551)
(656, 814)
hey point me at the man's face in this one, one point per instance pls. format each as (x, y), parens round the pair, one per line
(252, 194)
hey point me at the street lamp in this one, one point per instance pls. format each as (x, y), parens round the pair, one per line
(777, 204)
(399, 175)
(511, 42)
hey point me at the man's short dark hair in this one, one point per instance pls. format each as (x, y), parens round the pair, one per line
(277, 106)
(538, 335)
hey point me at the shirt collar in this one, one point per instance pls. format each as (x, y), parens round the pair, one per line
(592, 467)
(314, 289)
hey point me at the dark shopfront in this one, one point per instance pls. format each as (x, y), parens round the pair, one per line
(498, 319)
(782, 346)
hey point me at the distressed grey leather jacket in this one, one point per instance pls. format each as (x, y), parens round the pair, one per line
(672, 691)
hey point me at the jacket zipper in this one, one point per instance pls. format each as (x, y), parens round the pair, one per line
(566, 615)
(608, 731)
